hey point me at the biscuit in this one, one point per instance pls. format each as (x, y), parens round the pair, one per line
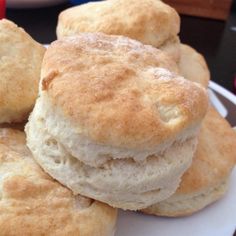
(148, 21)
(193, 66)
(112, 122)
(172, 48)
(207, 179)
(32, 203)
(20, 65)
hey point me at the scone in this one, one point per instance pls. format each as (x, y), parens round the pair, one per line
(207, 179)
(193, 66)
(149, 21)
(112, 122)
(32, 203)
(20, 65)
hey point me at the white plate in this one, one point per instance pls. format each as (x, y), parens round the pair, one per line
(218, 219)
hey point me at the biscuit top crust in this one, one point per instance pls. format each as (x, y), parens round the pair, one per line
(116, 91)
(149, 21)
(32, 203)
(215, 156)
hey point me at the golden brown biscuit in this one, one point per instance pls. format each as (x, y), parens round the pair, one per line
(206, 180)
(149, 21)
(192, 65)
(32, 203)
(121, 85)
(20, 66)
(172, 48)
(112, 122)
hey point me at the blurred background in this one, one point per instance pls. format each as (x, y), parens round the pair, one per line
(207, 25)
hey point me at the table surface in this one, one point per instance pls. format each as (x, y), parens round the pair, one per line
(216, 40)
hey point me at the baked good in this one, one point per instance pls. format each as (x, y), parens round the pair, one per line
(207, 179)
(172, 48)
(112, 122)
(20, 65)
(32, 203)
(193, 66)
(149, 21)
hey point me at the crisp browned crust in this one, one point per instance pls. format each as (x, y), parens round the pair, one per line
(149, 21)
(115, 91)
(32, 203)
(21, 59)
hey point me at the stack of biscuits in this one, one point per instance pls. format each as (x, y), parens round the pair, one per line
(120, 118)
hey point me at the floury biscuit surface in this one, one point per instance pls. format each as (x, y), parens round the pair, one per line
(32, 203)
(207, 179)
(148, 21)
(20, 65)
(109, 85)
(109, 104)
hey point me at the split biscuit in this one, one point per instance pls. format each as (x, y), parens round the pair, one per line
(112, 122)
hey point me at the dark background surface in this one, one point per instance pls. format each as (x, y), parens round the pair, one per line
(216, 40)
